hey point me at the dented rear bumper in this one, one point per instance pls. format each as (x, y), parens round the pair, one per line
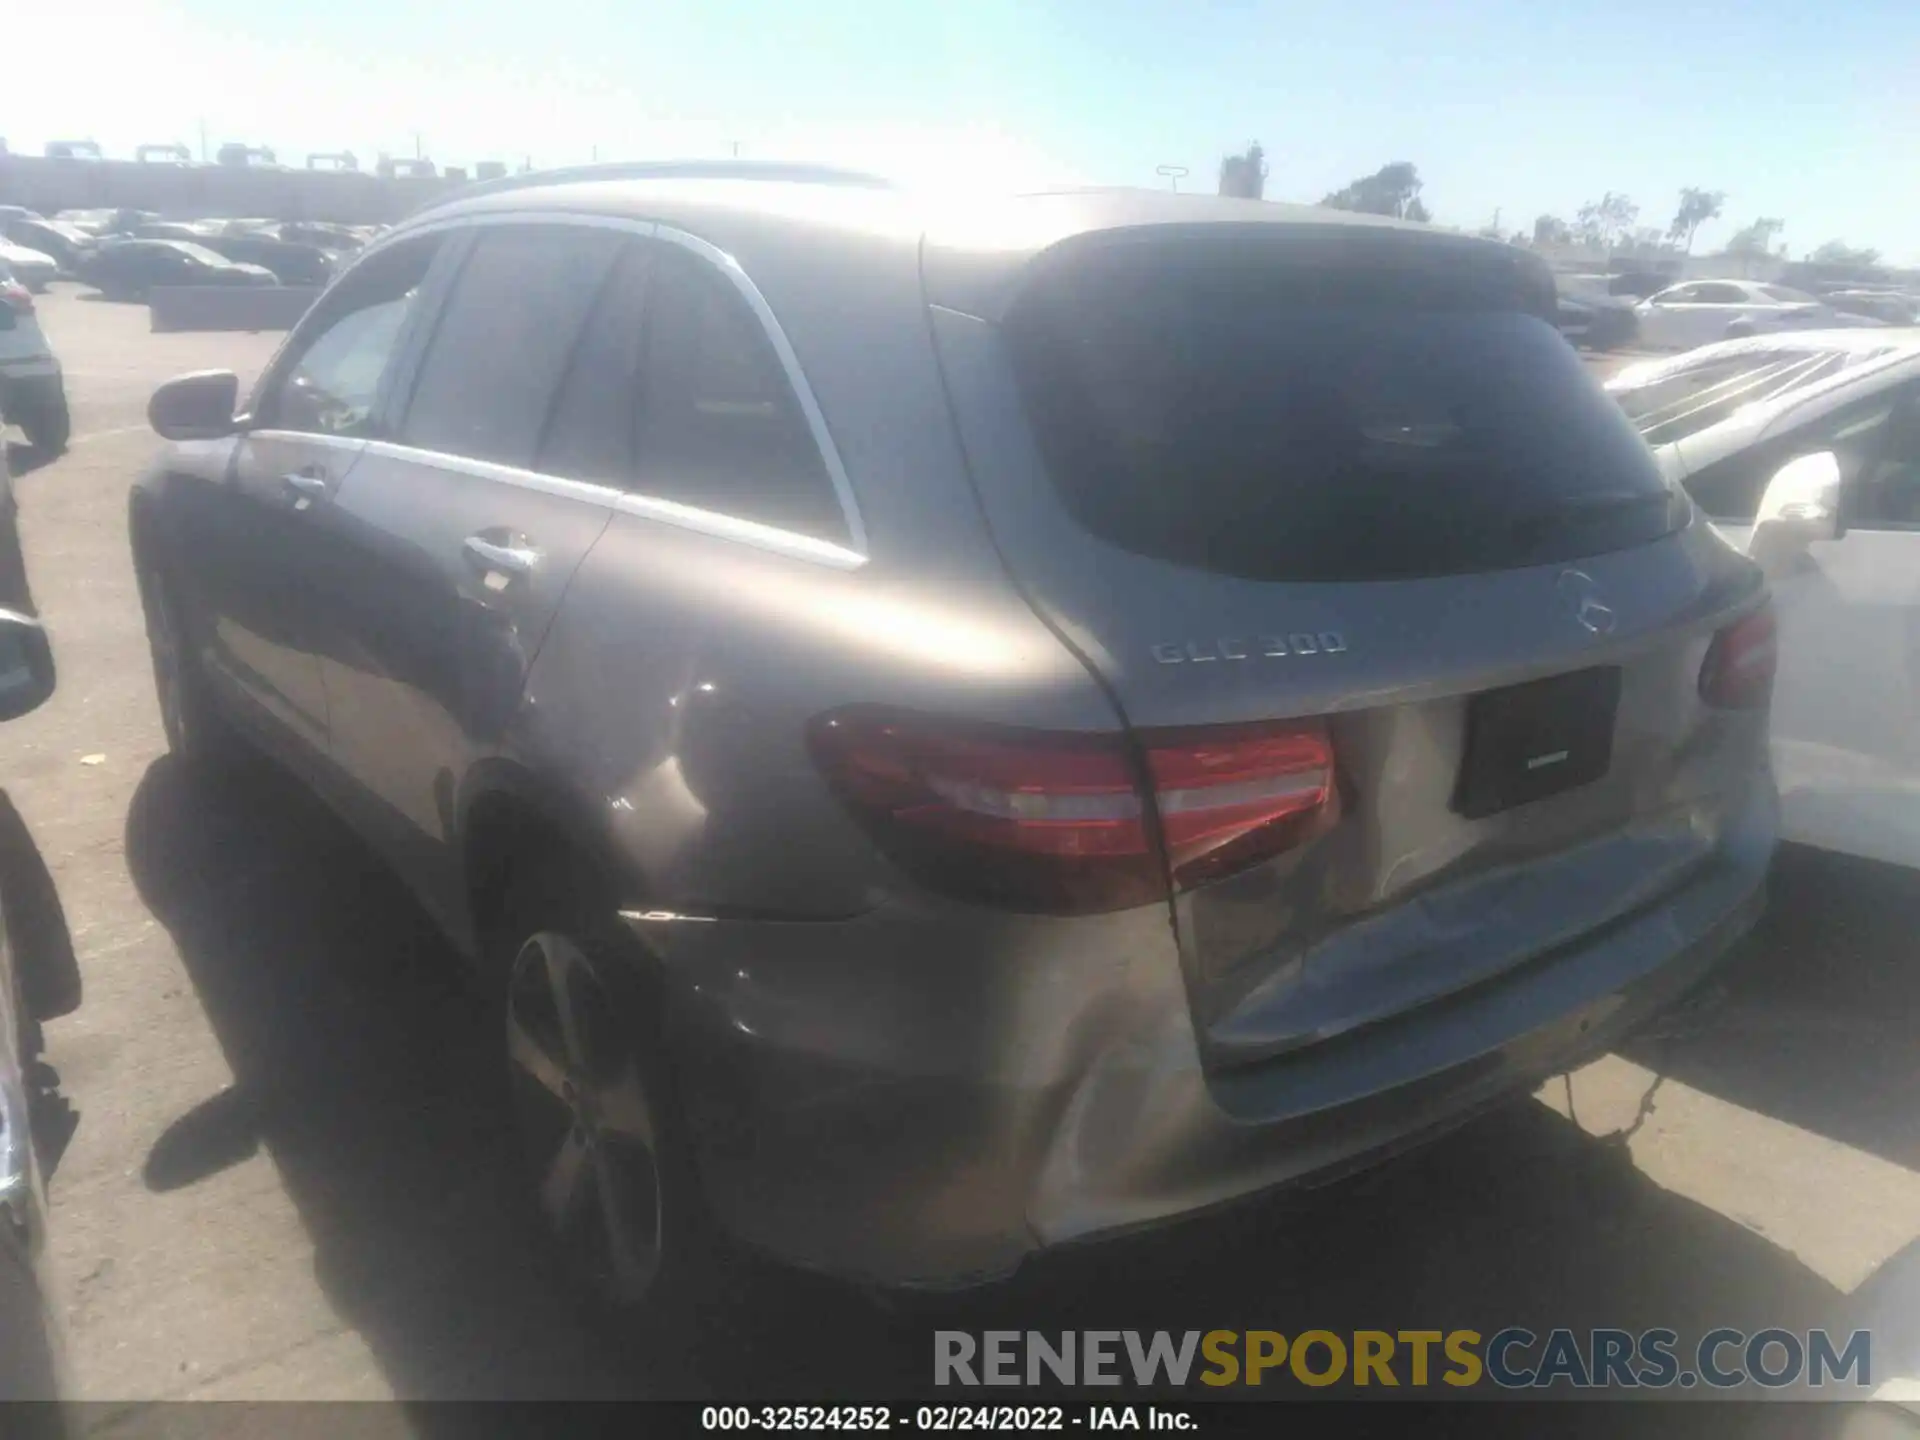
(927, 1095)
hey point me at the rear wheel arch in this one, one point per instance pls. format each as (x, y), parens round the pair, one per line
(508, 823)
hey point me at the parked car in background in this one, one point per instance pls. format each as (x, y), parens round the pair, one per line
(128, 269)
(102, 223)
(1703, 311)
(33, 392)
(17, 212)
(1639, 284)
(291, 264)
(1893, 306)
(69, 245)
(328, 237)
(31, 268)
(885, 594)
(1804, 451)
(1591, 318)
(194, 232)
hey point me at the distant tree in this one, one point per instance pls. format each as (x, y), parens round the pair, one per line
(1756, 240)
(1606, 222)
(1648, 237)
(1551, 230)
(1696, 208)
(1836, 252)
(1245, 175)
(1391, 190)
(1519, 237)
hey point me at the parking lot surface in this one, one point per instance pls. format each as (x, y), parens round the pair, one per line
(283, 1186)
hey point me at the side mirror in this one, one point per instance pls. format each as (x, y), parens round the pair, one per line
(1803, 498)
(26, 665)
(1801, 505)
(199, 406)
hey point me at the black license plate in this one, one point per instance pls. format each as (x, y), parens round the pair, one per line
(1526, 742)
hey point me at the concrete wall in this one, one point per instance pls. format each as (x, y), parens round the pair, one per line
(186, 192)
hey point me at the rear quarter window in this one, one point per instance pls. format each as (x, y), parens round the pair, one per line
(1227, 413)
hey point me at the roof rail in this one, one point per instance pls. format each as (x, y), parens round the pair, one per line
(667, 170)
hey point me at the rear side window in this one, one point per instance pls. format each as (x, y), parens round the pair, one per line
(720, 425)
(1220, 412)
(503, 340)
(1679, 401)
(595, 418)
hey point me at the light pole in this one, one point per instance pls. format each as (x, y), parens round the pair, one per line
(1174, 173)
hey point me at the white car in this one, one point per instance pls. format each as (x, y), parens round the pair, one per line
(30, 267)
(33, 392)
(1700, 312)
(1804, 451)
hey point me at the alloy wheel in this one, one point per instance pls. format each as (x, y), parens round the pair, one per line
(585, 1118)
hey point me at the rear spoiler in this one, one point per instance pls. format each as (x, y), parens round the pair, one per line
(1422, 265)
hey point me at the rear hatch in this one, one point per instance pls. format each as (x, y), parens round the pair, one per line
(1353, 491)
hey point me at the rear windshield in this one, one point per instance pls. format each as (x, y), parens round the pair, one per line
(1281, 426)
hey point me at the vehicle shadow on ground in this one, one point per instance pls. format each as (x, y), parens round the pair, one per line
(360, 1064)
(23, 459)
(1816, 1027)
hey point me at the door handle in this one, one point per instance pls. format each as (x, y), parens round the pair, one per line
(505, 559)
(309, 484)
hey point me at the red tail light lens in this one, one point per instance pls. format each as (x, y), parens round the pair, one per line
(1739, 668)
(13, 293)
(1035, 820)
(1230, 797)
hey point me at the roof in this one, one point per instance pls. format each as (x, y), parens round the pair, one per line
(1886, 356)
(971, 246)
(1864, 338)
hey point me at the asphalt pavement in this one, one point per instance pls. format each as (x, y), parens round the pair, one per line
(282, 1186)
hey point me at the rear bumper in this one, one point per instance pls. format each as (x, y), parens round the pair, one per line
(926, 1098)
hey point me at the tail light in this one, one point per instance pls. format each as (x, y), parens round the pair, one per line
(1035, 820)
(13, 293)
(1229, 797)
(1738, 671)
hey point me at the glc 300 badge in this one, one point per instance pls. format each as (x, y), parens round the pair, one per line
(1260, 647)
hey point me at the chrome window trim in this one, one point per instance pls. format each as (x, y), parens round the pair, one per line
(307, 437)
(710, 522)
(790, 543)
(592, 492)
(647, 507)
(790, 363)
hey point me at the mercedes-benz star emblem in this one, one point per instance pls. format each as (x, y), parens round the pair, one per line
(1582, 597)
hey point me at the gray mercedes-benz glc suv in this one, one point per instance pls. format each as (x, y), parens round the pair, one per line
(954, 730)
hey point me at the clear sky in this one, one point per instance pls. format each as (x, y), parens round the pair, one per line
(1809, 112)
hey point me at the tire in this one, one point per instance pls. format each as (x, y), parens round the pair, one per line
(603, 1173)
(48, 424)
(196, 730)
(1740, 330)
